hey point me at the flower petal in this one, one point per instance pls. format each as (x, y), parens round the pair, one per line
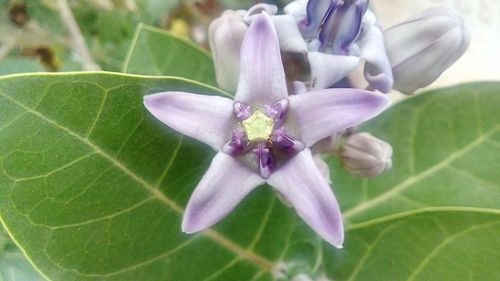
(204, 118)
(323, 113)
(262, 77)
(258, 9)
(378, 69)
(222, 187)
(289, 35)
(302, 184)
(298, 10)
(327, 69)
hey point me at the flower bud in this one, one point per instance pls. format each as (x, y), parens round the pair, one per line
(226, 35)
(424, 46)
(366, 156)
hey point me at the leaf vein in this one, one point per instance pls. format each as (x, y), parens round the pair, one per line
(414, 179)
(215, 236)
(436, 249)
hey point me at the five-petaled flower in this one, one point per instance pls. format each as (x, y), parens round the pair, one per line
(263, 136)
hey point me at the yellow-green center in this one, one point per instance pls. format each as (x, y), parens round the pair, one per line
(258, 127)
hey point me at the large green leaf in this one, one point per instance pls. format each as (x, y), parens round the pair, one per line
(13, 264)
(438, 244)
(157, 52)
(93, 188)
(446, 154)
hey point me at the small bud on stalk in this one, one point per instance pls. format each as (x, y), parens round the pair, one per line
(366, 156)
(424, 46)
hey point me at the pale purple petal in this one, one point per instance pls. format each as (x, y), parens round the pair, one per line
(205, 118)
(302, 184)
(289, 36)
(327, 69)
(262, 77)
(323, 168)
(323, 113)
(378, 69)
(298, 10)
(222, 187)
(258, 9)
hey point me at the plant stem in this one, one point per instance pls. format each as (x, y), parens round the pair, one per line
(77, 39)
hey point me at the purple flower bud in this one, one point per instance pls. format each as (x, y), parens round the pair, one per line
(424, 46)
(366, 156)
(226, 36)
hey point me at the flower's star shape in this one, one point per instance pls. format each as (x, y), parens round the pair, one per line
(263, 136)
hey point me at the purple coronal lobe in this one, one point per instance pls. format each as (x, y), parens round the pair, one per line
(242, 111)
(265, 160)
(237, 145)
(342, 26)
(316, 11)
(285, 142)
(277, 111)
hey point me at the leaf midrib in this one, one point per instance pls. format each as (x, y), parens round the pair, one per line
(217, 237)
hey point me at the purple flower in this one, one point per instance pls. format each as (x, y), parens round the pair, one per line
(263, 136)
(336, 35)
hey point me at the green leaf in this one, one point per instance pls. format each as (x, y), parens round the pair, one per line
(92, 185)
(13, 264)
(441, 244)
(157, 52)
(445, 154)
(93, 188)
(16, 65)
(435, 215)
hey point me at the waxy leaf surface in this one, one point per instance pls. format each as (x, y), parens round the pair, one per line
(93, 188)
(157, 52)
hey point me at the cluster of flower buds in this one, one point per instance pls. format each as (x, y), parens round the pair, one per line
(335, 36)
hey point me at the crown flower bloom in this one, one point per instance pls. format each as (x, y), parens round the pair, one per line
(336, 35)
(263, 136)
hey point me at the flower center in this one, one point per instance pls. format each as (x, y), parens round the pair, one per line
(258, 127)
(263, 144)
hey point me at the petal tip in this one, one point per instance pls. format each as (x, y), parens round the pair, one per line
(188, 228)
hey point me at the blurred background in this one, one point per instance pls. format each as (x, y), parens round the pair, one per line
(34, 36)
